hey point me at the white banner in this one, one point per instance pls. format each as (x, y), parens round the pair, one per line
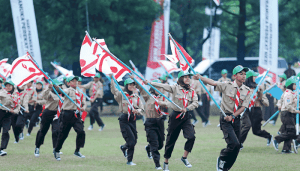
(25, 29)
(211, 47)
(268, 44)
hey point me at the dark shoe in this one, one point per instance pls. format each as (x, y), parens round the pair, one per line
(186, 162)
(269, 140)
(275, 144)
(148, 152)
(220, 165)
(286, 152)
(3, 153)
(131, 163)
(166, 167)
(124, 151)
(37, 152)
(56, 155)
(102, 127)
(78, 154)
(241, 147)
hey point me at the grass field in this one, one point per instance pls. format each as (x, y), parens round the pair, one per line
(102, 151)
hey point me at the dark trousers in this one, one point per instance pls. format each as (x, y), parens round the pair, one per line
(289, 130)
(69, 120)
(174, 128)
(94, 114)
(34, 117)
(205, 105)
(276, 117)
(5, 122)
(17, 124)
(269, 110)
(31, 111)
(252, 119)
(129, 133)
(154, 128)
(231, 132)
(47, 120)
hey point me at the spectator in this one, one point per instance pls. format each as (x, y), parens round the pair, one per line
(289, 72)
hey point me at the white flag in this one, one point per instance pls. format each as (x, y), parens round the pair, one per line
(169, 66)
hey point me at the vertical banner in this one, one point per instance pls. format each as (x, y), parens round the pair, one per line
(156, 47)
(25, 29)
(211, 47)
(268, 44)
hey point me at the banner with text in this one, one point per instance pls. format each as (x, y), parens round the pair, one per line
(25, 29)
(268, 44)
(211, 47)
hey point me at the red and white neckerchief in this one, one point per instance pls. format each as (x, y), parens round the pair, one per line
(157, 107)
(78, 101)
(207, 95)
(185, 102)
(15, 100)
(60, 104)
(94, 91)
(129, 106)
(252, 101)
(236, 102)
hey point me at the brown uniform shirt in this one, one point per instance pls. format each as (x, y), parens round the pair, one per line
(52, 100)
(7, 100)
(99, 89)
(68, 105)
(288, 101)
(196, 85)
(263, 101)
(177, 95)
(30, 94)
(222, 79)
(229, 90)
(40, 100)
(23, 100)
(123, 104)
(150, 111)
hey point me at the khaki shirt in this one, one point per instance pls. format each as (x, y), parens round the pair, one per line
(229, 90)
(30, 94)
(123, 104)
(99, 89)
(177, 95)
(40, 100)
(150, 111)
(208, 88)
(68, 105)
(288, 101)
(52, 100)
(222, 79)
(263, 101)
(196, 85)
(7, 100)
(23, 100)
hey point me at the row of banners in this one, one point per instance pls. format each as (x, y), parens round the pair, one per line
(27, 36)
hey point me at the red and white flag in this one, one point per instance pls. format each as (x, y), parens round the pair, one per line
(62, 70)
(177, 56)
(24, 70)
(4, 68)
(217, 2)
(109, 65)
(169, 66)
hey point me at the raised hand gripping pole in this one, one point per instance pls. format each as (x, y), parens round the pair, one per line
(195, 74)
(54, 83)
(136, 74)
(276, 113)
(66, 76)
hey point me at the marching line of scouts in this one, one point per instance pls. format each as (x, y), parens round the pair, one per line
(27, 103)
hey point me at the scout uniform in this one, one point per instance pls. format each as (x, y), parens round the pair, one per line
(205, 99)
(268, 110)
(288, 103)
(18, 120)
(127, 120)
(231, 131)
(154, 125)
(30, 94)
(281, 85)
(95, 92)
(50, 116)
(38, 108)
(10, 101)
(177, 120)
(71, 118)
(164, 80)
(222, 79)
(253, 116)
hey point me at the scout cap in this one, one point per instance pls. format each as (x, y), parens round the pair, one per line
(224, 71)
(163, 77)
(80, 79)
(128, 81)
(71, 78)
(181, 73)
(57, 82)
(290, 81)
(238, 69)
(251, 73)
(9, 82)
(284, 76)
(156, 81)
(97, 75)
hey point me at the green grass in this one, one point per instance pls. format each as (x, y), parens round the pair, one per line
(102, 151)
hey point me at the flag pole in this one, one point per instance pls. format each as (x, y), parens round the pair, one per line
(267, 90)
(53, 82)
(136, 74)
(3, 76)
(66, 76)
(276, 113)
(4, 107)
(297, 115)
(195, 74)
